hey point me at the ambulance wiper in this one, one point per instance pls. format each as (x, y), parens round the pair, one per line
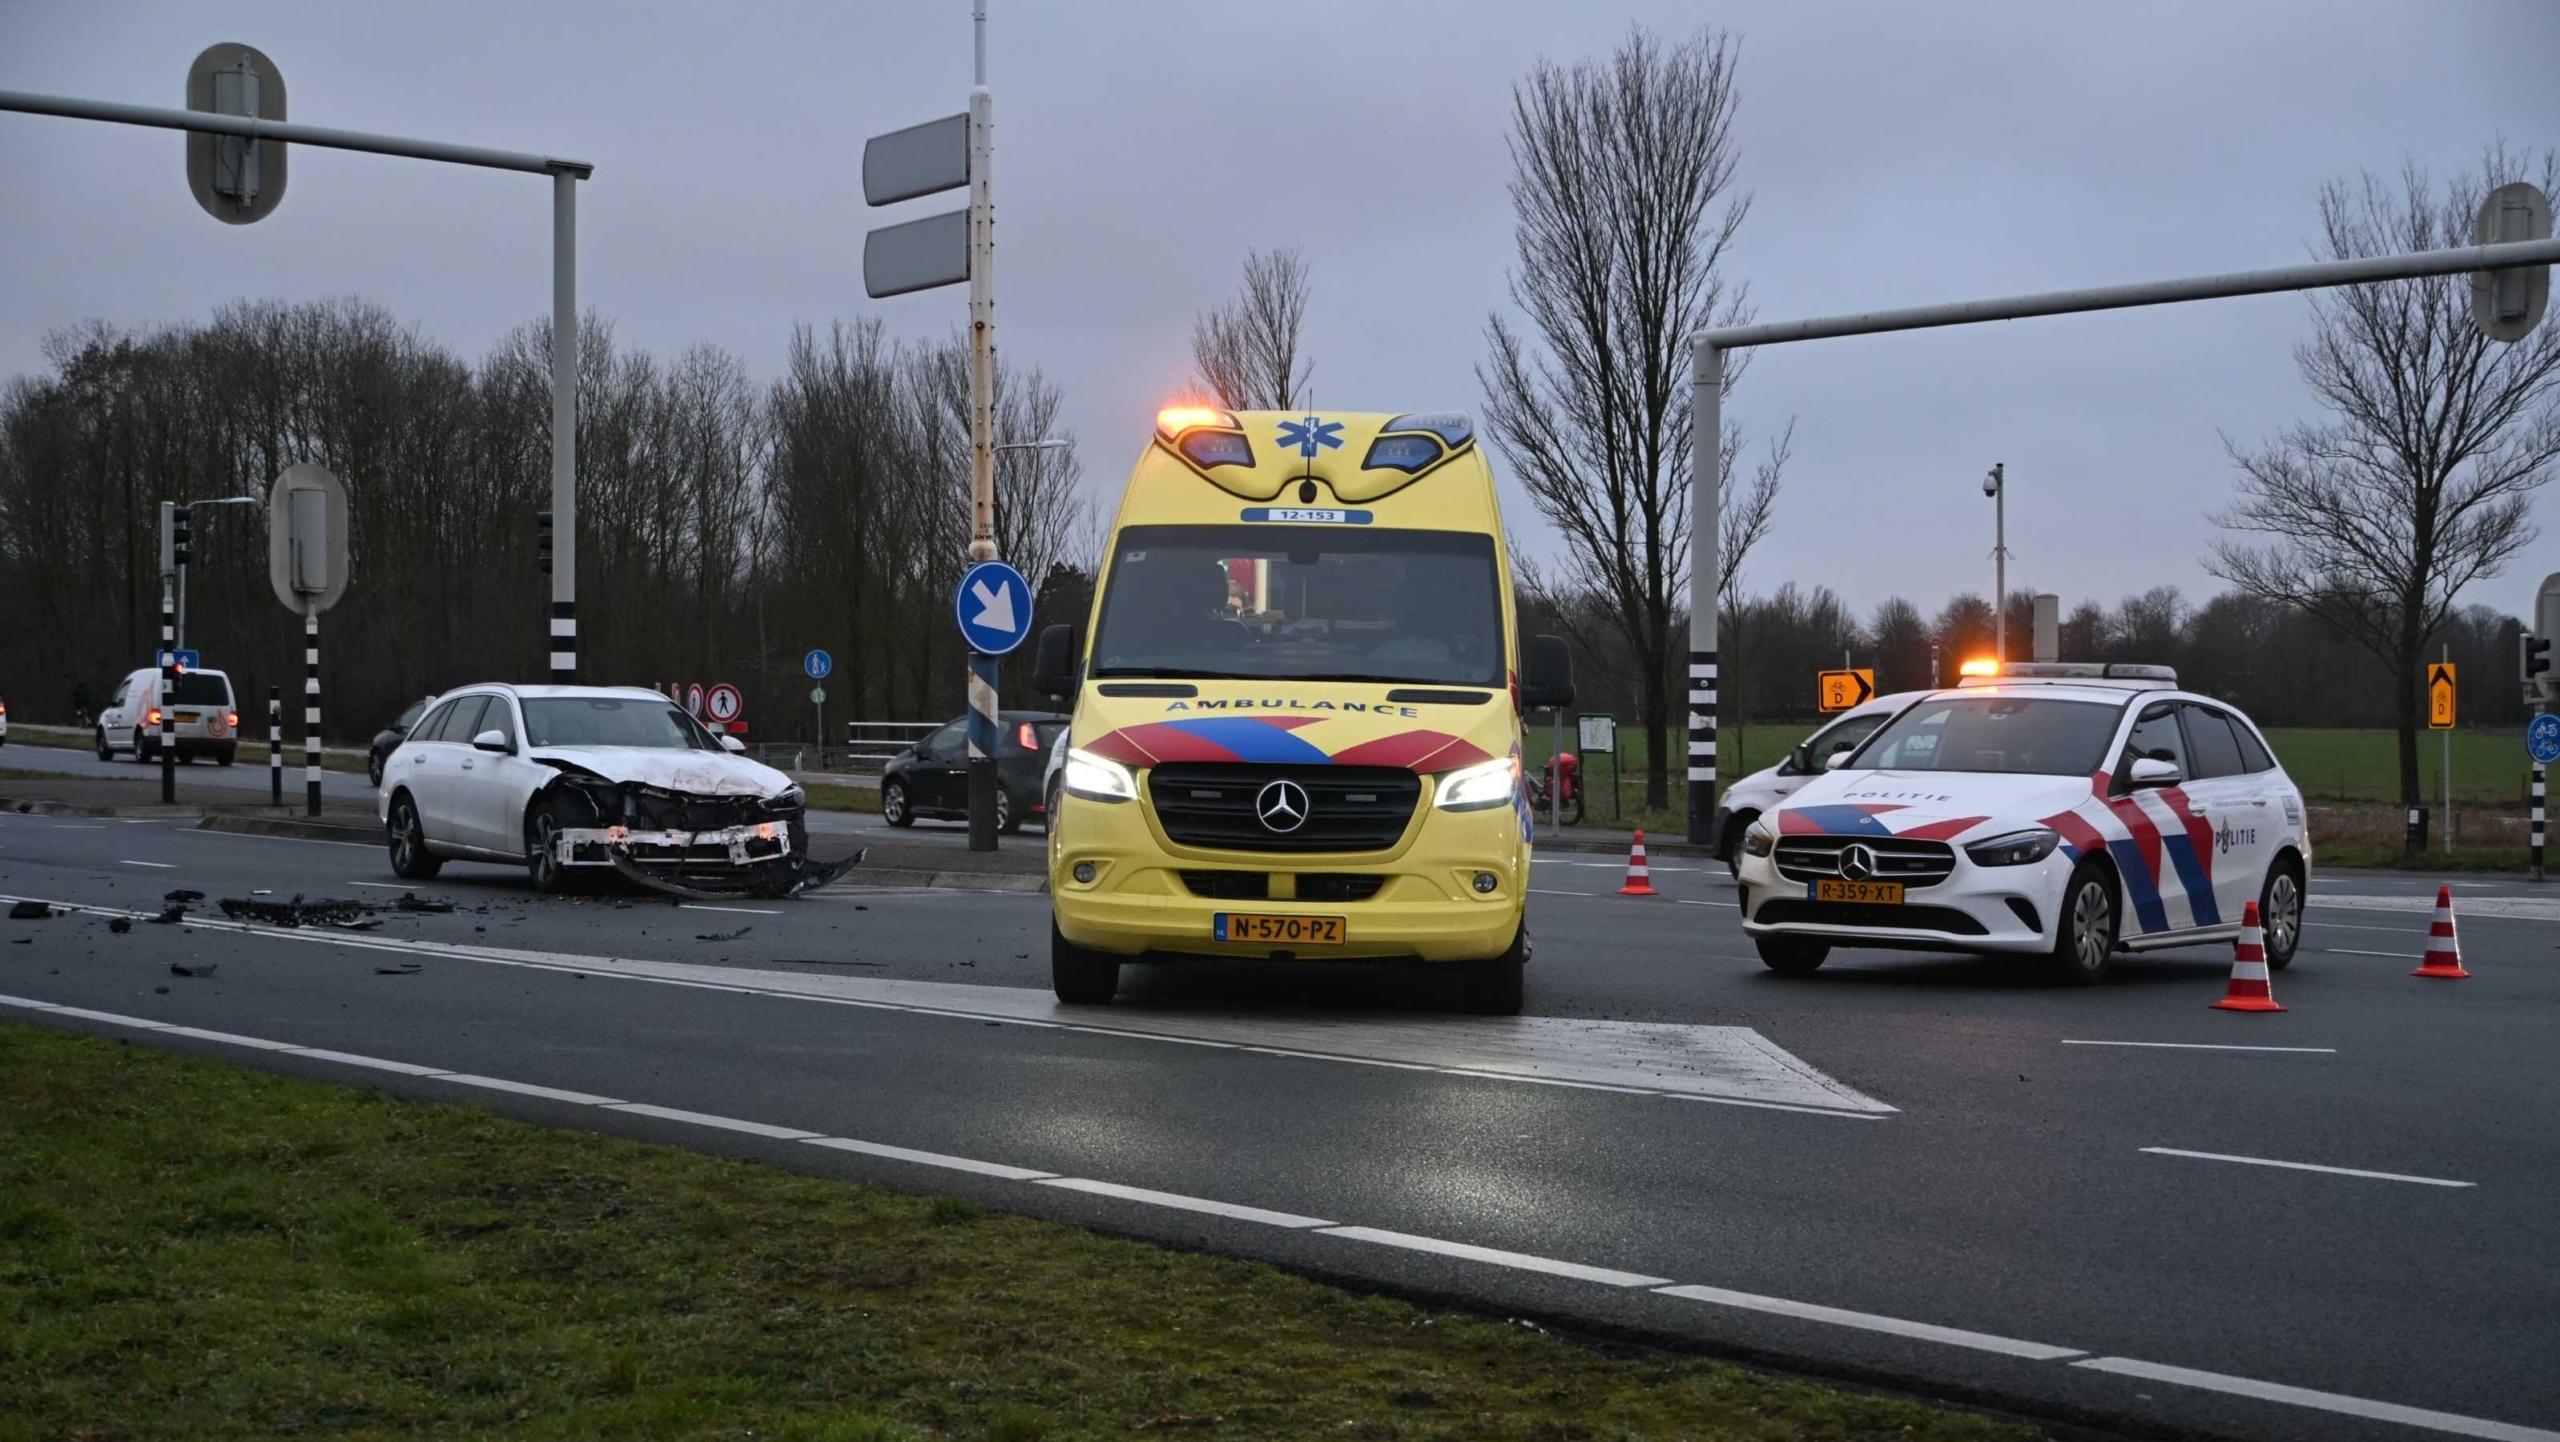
(1369, 676)
(1171, 673)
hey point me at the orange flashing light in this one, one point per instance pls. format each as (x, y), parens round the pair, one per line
(1979, 666)
(1174, 420)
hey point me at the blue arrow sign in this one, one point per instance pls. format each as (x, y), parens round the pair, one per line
(994, 606)
(183, 660)
(817, 664)
(2542, 739)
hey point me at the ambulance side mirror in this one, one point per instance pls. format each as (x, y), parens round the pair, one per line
(1053, 664)
(1548, 684)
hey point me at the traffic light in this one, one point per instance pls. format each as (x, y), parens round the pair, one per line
(181, 524)
(2533, 658)
(543, 545)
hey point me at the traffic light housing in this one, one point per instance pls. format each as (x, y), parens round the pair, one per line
(542, 544)
(181, 531)
(2533, 659)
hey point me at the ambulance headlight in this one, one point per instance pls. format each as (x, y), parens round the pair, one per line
(2017, 848)
(1479, 787)
(1097, 778)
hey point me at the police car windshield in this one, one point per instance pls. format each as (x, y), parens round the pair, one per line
(2017, 735)
(1327, 602)
(612, 721)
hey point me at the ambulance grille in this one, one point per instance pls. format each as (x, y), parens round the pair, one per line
(1913, 863)
(1349, 808)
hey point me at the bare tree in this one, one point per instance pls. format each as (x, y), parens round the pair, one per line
(1618, 171)
(1247, 351)
(2422, 481)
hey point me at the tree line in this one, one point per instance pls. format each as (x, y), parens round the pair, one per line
(725, 527)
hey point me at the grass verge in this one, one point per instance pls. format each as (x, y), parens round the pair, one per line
(190, 1249)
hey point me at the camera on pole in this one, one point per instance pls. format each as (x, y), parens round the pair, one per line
(2533, 659)
(542, 540)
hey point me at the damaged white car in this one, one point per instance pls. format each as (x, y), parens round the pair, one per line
(577, 781)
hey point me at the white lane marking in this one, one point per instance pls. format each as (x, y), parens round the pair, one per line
(501, 1084)
(740, 910)
(1727, 905)
(2530, 908)
(1180, 1203)
(2351, 926)
(2238, 1386)
(2351, 951)
(2201, 1046)
(2306, 1167)
(1494, 1256)
(154, 865)
(1870, 1322)
(1725, 1065)
(2454, 1423)
(385, 885)
(931, 1159)
(261, 836)
(706, 1119)
(377, 1063)
(233, 1038)
(75, 826)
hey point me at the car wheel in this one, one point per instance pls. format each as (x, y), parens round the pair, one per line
(226, 756)
(893, 804)
(139, 752)
(1496, 985)
(1081, 977)
(410, 859)
(1792, 955)
(542, 848)
(2280, 914)
(2085, 938)
(373, 768)
(106, 752)
(1731, 844)
(1008, 818)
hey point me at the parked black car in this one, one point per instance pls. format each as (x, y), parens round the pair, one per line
(388, 739)
(931, 778)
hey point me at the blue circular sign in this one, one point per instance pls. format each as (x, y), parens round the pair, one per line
(2542, 739)
(817, 664)
(994, 607)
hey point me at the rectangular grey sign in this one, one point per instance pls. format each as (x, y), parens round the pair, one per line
(918, 255)
(918, 160)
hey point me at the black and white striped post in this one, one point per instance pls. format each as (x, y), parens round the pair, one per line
(2538, 770)
(311, 714)
(275, 745)
(168, 707)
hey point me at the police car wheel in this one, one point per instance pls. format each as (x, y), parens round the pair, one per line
(2085, 938)
(2280, 915)
(1078, 976)
(1792, 955)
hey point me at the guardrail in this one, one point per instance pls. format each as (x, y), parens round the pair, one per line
(867, 747)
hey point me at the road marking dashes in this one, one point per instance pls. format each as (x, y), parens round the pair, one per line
(2306, 1167)
(2202, 1046)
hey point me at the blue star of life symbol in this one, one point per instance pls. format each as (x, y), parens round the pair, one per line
(1310, 434)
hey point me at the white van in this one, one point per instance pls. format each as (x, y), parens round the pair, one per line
(1743, 801)
(206, 716)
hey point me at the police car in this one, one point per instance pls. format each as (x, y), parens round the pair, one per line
(1743, 802)
(2066, 810)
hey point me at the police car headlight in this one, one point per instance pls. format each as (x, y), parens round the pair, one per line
(1759, 840)
(1479, 787)
(2017, 848)
(1098, 778)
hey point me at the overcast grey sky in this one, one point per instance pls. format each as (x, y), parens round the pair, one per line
(1898, 153)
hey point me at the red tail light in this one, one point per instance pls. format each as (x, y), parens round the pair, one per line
(153, 719)
(233, 719)
(1029, 738)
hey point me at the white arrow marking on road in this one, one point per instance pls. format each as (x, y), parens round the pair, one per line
(996, 606)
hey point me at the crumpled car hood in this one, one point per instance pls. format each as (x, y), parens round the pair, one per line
(695, 773)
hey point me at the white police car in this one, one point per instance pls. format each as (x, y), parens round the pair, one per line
(2065, 809)
(1743, 802)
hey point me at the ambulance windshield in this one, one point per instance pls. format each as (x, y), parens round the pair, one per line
(1308, 603)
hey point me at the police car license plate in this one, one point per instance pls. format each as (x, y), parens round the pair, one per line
(1284, 930)
(1887, 892)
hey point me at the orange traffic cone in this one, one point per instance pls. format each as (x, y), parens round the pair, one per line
(1639, 881)
(2444, 950)
(2249, 990)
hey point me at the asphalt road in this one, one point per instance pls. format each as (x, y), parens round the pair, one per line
(1931, 1172)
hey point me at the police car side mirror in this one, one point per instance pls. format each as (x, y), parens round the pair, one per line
(2149, 771)
(1548, 684)
(1053, 664)
(1836, 759)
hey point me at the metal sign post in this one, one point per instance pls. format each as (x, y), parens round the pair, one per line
(2441, 719)
(1708, 376)
(307, 568)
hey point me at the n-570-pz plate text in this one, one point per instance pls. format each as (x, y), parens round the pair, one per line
(1279, 930)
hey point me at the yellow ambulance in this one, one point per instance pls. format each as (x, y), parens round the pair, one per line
(1297, 714)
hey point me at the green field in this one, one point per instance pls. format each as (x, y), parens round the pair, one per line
(194, 1250)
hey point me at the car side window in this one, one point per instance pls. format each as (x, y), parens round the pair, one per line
(2216, 752)
(500, 717)
(1847, 735)
(2253, 752)
(2156, 736)
(433, 726)
(951, 743)
(464, 723)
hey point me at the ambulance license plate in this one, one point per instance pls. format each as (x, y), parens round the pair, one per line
(1888, 893)
(1283, 930)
